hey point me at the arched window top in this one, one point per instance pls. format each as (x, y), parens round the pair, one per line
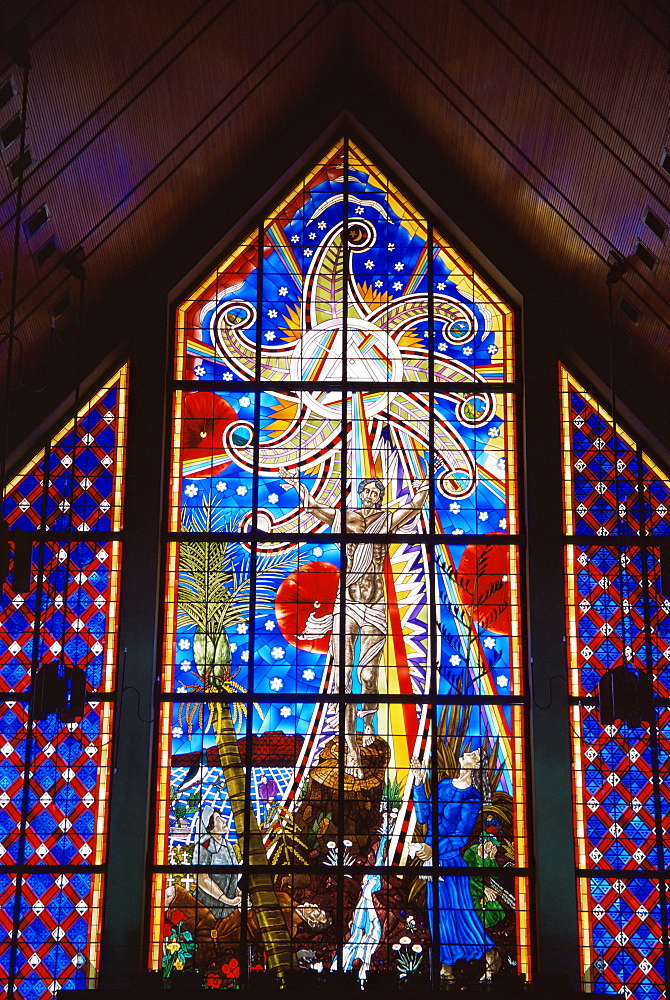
(345, 245)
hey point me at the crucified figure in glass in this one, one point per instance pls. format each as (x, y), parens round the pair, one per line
(365, 617)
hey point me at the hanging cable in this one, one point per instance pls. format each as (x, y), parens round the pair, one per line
(109, 98)
(517, 156)
(122, 202)
(622, 694)
(593, 109)
(16, 43)
(74, 678)
(27, 14)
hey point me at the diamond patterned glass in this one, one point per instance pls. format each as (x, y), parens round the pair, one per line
(54, 773)
(618, 626)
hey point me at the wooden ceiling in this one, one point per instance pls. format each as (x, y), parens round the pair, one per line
(539, 126)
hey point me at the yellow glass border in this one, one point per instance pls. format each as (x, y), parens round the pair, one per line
(111, 629)
(656, 469)
(481, 290)
(571, 620)
(335, 151)
(122, 377)
(104, 783)
(517, 678)
(174, 515)
(170, 620)
(518, 765)
(511, 461)
(156, 920)
(198, 297)
(398, 203)
(578, 805)
(164, 743)
(585, 942)
(95, 940)
(523, 929)
(566, 451)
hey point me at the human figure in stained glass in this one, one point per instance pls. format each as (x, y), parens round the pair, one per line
(267, 791)
(365, 617)
(482, 854)
(218, 892)
(459, 804)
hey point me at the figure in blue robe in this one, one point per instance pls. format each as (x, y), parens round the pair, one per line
(459, 805)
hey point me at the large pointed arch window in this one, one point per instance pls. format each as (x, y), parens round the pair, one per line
(341, 748)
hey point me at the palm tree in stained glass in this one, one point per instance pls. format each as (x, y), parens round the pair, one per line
(213, 595)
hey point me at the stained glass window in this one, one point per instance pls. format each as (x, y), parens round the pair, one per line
(67, 505)
(341, 750)
(618, 617)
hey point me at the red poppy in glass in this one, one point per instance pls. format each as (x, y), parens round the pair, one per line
(304, 606)
(483, 579)
(231, 969)
(205, 417)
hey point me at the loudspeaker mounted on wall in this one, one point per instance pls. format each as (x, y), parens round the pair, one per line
(625, 696)
(59, 690)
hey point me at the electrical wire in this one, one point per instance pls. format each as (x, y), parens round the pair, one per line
(110, 97)
(10, 337)
(406, 34)
(122, 201)
(643, 24)
(47, 27)
(508, 160)
(13, 943)
(482, 134)
(554, 677)
(557, 97)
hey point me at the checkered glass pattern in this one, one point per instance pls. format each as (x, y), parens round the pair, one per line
(656, 499)
(84, 466)
(620, 920)
(66, 781)
(24, 501)
(66, 611)
(605, 478)
(617, 615)
(608, 616)
(54, 775)
(615, 793)
(50, 947)
(82, 471)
